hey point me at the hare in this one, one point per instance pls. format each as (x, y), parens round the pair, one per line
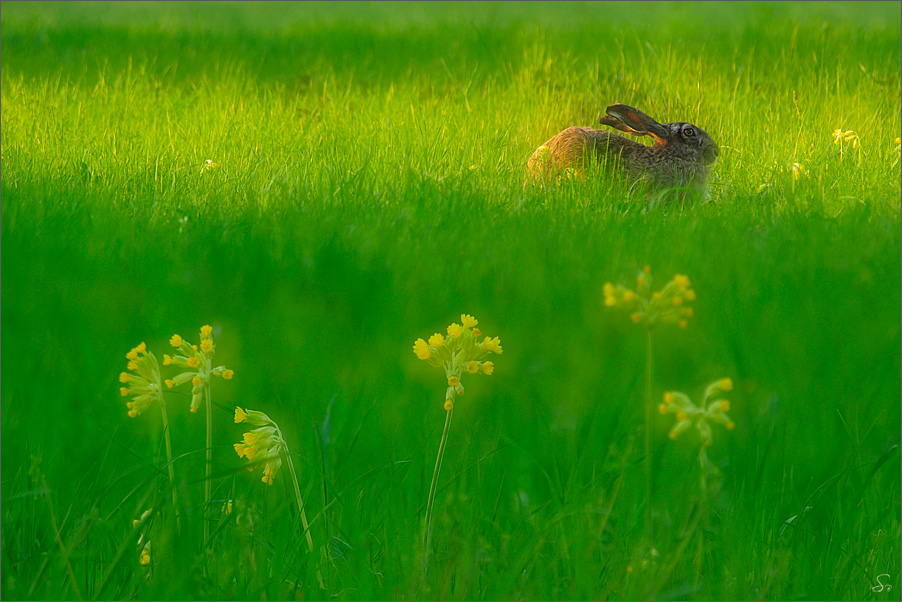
(679, 158)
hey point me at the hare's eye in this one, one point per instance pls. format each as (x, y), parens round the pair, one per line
(689, 132)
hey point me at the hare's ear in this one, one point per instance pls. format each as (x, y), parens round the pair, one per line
(635, 122)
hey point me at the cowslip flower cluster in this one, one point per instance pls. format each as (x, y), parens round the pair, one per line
(263, 444)
(143, 541)
(199, 362)
(459, 352)
(143, 381)
(670, 305)
(702, 415)
(840, 137)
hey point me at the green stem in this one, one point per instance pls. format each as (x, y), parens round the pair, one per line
(427, 537)
(649, 402)
(208, 475)
(175, 498)
(297, 496)
(703, 485)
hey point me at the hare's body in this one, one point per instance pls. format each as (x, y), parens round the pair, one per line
(679, 158)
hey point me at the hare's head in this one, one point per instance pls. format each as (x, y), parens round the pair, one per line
(679, 140)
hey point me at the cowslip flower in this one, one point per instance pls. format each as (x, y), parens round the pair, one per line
(142, 381)
(670, 305)
(839, 137)
(263, 444)
(209, 165)
(145, 554)
(459, 352)
(199, 363)
(711, 410)
(140, 524)
(798, 170)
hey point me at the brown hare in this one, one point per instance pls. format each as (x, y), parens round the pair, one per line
(680, 157)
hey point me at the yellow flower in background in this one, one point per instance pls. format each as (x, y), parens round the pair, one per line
(840, 136)
(458, 353)
(144, 383)
(703, 415)
(421, 349)
(668, 306)
(144, 559)
(264, 444)
(209, 165)
(454, 330)
(199, 363)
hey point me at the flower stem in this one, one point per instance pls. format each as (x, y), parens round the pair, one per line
(703, 500)
(427, 536)
(649, 374)
(175, 498)
(297, 496)
(208, 474)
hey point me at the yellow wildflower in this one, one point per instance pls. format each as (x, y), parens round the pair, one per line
(493, 345)
(421, 349)
(458, 353)
(702, 415)
(669, 305)
(176, 341)
(143, 381)
(264, 442)
(206, 331)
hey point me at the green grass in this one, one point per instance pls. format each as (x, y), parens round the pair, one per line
(368, 192)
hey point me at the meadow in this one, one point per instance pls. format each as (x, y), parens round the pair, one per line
(323, 184)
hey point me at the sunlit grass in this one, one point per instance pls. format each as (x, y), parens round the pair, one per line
(324, 183)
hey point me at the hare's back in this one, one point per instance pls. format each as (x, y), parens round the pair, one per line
(566, 149)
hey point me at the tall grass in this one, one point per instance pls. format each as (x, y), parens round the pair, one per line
(369, 185)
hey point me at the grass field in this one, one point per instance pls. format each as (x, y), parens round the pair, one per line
(324, 184)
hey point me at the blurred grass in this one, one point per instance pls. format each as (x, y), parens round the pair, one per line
(368, 192)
